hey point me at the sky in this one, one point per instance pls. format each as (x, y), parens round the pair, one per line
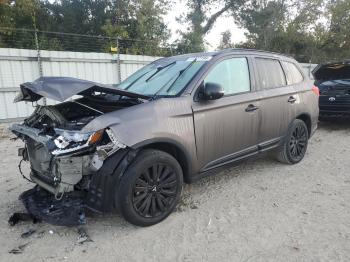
(222, 24)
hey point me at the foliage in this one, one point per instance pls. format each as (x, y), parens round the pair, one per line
(20, 14)
(141, 20)
(226, 41)
(310, 30)
(201, 17)
(107, 20)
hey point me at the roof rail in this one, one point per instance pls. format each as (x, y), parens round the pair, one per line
(252, 50)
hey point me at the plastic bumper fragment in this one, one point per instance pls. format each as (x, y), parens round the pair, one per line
(69, 211)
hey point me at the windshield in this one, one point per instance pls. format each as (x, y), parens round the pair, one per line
(167, 79)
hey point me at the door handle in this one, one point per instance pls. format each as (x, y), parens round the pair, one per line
(251, 108)
(292, 100)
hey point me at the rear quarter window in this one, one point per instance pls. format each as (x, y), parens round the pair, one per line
(293, 74)
(270, 73)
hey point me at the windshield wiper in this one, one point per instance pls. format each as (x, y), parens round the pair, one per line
(159, 69)
(181, 72)
(137, 79)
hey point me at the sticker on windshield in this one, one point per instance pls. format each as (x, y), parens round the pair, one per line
(200, 58)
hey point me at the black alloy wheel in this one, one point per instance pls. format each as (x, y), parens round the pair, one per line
(294, 147)
(155, 190)
(150, 188)
(298, 142)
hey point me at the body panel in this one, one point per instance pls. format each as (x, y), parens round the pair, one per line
(308, 104)
(224, 127)
(62, 88)
(162, 120)
(276, 112)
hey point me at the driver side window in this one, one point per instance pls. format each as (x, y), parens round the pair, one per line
(232, 74)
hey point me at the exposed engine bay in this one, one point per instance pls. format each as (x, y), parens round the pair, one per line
(63, 159)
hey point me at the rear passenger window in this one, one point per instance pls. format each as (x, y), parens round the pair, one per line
(232, 74)
(293, 74)
(270, 73)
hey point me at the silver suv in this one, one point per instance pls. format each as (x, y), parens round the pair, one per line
(130, 147)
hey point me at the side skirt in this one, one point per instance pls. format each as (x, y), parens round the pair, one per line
(217, 166)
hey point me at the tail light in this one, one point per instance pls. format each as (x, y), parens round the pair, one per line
(316, 90)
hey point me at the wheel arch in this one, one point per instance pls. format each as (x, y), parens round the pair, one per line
(306, 118)
(173, 148)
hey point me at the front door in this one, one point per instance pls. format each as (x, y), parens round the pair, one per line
(226, 129)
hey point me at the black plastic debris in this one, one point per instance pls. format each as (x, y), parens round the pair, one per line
(83, 236)
(18, 250)
(68, 211)
(28, 233)
(17, 217)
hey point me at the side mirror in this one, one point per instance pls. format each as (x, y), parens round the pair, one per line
(211, 91)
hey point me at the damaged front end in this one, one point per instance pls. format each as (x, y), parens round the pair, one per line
(71, 168)
(64, 160)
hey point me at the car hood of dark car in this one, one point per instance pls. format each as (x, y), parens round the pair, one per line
(63, 88)
(332, 71)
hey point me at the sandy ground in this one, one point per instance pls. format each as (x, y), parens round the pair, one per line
(259, 211)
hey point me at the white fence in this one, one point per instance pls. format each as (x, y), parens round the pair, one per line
(21, 65)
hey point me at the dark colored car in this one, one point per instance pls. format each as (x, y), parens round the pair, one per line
(333, 80)
(130, 148)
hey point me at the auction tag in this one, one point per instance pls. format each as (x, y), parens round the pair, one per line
(199, 59)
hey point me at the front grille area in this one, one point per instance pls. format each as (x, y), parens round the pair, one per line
(47, 179)
(334, 104)
(40, 158)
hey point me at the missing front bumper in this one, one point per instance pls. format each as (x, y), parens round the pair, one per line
(97, 196)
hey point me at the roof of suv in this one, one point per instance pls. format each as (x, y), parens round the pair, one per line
(250, 51)
(230, 51)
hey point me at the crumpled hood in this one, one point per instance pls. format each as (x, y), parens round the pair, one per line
(332, 71)
(62, 88)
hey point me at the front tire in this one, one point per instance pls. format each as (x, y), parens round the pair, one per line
(295, 144)
(151, 188)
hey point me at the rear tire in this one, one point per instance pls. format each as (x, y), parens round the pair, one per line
(295, 143)
(151, 188)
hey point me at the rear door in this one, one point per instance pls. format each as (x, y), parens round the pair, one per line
(278, 101)
(226, 129)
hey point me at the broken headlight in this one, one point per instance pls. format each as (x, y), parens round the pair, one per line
(71, 141)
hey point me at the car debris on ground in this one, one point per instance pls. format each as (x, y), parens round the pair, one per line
(18, 250)
(28, 233)
(17, 217)
(83, 236)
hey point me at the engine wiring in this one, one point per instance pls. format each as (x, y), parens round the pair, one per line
(21, 172)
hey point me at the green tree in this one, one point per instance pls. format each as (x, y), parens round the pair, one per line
(336, 37)
(263, 20)
(288, 27)
(226, 41)
(79, 16)
(140, 24)
(21, 14)
(200, 22)
(106, 19)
